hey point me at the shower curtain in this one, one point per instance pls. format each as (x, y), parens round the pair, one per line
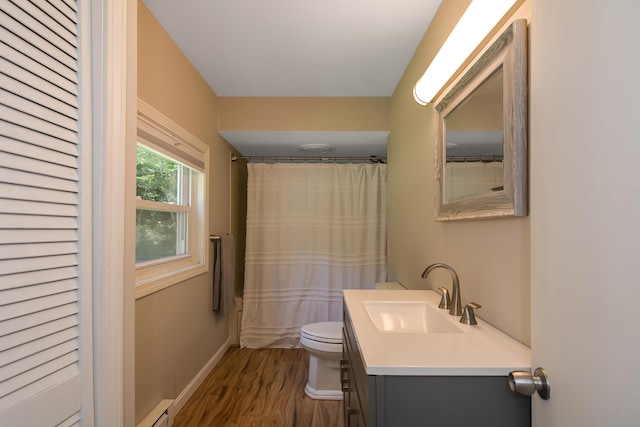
(313, 229)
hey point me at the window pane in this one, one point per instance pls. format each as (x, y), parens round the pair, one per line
(157, 177)
(160, 234)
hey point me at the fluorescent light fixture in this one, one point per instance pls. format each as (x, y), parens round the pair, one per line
(479, 18)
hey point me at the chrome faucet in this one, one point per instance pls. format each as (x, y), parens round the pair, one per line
(456, 306)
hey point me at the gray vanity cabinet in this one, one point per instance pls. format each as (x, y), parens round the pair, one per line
(356, 384)
(406, 401)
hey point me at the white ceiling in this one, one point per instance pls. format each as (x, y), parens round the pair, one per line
(297, 48)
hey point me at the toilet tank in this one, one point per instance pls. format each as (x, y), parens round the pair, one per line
(389, 285)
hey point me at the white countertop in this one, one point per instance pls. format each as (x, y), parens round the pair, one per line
(480, 350)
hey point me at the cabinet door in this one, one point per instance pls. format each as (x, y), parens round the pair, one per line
(352, 370)
(353, 416)
(352, 410)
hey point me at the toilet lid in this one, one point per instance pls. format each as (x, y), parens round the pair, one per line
(330, 332)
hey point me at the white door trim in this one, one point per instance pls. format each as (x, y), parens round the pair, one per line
(114, 72)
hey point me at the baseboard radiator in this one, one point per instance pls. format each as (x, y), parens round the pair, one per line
(159, 415)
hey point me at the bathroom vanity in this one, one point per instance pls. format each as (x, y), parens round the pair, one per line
(408, 363)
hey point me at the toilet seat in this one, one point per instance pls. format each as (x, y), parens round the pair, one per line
(322, 336)
(327, 332)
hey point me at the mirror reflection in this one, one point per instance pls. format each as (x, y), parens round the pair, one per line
(474, 142)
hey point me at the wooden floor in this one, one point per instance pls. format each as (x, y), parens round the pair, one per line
(259, 388)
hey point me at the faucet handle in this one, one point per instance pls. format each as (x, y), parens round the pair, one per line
(445, 302)
(468, 316)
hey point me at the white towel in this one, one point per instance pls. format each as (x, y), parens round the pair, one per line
(223, 274)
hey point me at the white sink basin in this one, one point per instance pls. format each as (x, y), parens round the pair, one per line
(409, 317)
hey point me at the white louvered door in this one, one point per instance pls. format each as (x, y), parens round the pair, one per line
(41, 231)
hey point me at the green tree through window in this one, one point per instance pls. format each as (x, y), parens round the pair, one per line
(160, 230)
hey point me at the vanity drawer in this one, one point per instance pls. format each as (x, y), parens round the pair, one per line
(450, 401)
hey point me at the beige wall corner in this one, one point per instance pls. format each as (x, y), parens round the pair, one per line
(170, 83)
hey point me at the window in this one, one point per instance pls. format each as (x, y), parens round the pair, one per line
(170, 203)
(164, 208)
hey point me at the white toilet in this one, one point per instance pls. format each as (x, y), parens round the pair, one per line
(323, 340)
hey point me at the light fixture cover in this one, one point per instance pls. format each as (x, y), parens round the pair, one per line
(474, 25)
(315, 148)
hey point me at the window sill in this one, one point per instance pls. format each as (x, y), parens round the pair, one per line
(148, 285)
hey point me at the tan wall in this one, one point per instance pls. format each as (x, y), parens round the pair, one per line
(176, 330)
(300, 114)
(490, 256)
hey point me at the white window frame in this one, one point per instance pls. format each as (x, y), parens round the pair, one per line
(159, 133)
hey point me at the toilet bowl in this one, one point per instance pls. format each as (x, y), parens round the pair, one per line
(323, 340)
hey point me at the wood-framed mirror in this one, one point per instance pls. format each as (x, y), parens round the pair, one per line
(481, 147)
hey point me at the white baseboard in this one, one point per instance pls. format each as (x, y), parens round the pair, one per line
(188, 391)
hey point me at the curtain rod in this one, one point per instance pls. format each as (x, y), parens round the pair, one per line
(471, 159)
(374, 159)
